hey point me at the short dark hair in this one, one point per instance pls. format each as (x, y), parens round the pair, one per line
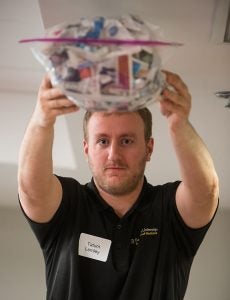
(144, 113)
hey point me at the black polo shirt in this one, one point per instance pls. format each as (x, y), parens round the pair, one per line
(91, 253)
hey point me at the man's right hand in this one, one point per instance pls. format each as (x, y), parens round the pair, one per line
(51, 103)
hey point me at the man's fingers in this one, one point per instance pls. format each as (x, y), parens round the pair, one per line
(46, 82)
(177, 83)
(173, 96)
(52, 93)
(177, 92)
(61, 103)
(65, 110)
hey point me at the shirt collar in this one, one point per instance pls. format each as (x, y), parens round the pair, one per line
(102, 205)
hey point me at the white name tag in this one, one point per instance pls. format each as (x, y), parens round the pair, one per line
(94, 247)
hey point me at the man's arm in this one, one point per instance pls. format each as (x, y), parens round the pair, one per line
(39, 190)
(197, 195)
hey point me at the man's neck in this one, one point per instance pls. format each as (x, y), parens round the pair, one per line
(121, 204)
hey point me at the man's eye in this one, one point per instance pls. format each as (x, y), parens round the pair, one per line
(103, 142)
(126, 141)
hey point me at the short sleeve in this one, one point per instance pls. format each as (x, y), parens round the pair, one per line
(187, 239)
(47, 233)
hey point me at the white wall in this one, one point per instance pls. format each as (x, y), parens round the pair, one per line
(22, 274)
(21, 262)
(210, 273)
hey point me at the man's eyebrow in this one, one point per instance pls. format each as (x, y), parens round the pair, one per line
(125, 134)
(100, 134)
(129, 134)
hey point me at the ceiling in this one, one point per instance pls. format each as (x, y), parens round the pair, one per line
(203, 62)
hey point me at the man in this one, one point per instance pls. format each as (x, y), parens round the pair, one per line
(117, 237)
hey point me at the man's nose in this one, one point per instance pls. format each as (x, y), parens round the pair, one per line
(114, 151)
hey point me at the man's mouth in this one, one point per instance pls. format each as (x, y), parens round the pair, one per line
(114, 167)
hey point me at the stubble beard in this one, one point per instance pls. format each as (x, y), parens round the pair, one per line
(122, 185)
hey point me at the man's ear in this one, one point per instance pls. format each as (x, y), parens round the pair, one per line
(85, 145)
(149, 148)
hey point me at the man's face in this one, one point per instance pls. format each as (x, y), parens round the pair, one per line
(117, 151)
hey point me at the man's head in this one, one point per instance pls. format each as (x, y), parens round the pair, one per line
(117, 146)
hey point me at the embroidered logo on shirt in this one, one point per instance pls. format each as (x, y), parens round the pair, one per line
(145, 232)
(149, 231)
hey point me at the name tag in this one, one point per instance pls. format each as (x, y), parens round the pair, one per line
(94, 247)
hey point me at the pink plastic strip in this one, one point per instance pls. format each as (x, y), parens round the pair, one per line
(102, 41)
